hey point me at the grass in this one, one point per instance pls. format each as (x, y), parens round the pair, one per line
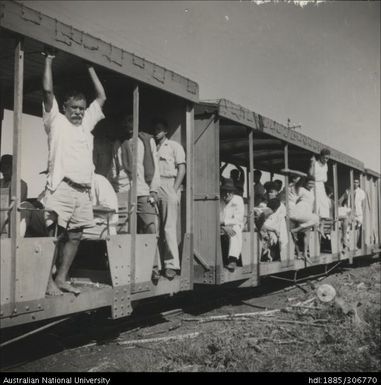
(342, 345)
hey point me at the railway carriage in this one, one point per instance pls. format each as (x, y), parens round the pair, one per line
(227, 132)
(122, 264)
(116, 272)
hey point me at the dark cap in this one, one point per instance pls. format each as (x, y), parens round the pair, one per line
(6, 160)
(228, 186)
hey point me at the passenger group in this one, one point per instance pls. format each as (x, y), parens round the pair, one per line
(88, 177)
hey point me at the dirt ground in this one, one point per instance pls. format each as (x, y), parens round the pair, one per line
(305, 335)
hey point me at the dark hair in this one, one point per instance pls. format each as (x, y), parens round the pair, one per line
(270, 186)
(273, 204)
(234, 172)
(278, 184)
(309, 178)
(300, 183)
(161, 121)
(6, 159)
(325, 152)
(76, 95)
(328, 189)
(257, 173)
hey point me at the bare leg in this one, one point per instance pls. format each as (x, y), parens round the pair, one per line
(358, 235)
(69, 252)
(52, 288)
(306, 245)
(344, 227)
(297, 249)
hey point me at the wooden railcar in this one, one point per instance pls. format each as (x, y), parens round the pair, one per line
(133, 84)
(119, 268)
(226, 132)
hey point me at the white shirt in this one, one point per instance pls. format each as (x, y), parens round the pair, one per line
(70, 147)
(321, 171)
(103, 194)
(359, 197)
(170, 154)
(277, 221)
(307, 197)
(233, 212)
(121, 181)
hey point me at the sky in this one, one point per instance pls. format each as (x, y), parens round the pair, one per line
(318, 65)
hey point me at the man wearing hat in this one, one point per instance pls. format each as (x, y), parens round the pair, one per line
(232, 221)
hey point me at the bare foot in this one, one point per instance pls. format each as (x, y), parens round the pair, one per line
(67, 287)
(52, 289)
(307, 259)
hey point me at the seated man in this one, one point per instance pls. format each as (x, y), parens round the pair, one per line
(276, 222)
(6, 169)
(232, 221)
(259, 190)
(278, 185)
(237, 175)
(270, 229)
(6, 162)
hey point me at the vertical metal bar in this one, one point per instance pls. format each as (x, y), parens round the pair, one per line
(2, 102)
(336, 205)
(219, 276)
(187, 271)
(190, 166)
(250, 211)
(353, 223)
(315, 233)
(378, 195)
(286, 182)
(133, 191)
(16, 165)
(364, 206)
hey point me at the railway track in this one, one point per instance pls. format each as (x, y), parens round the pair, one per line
(151, 317)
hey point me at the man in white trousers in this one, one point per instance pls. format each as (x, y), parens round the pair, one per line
(232, 221)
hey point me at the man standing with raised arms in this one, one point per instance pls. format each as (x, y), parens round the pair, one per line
(70, 167)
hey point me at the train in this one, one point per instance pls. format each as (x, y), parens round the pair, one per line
(115, 273)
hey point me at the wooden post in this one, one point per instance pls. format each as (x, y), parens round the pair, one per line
(187, 269)
(133, 190)
(353, 223)
(190, 167)
(16, 165)
(315, 233)
(378, 197)
(364, 211)
(250, 211)
(336, 205)
(286, 182)
(2, 102)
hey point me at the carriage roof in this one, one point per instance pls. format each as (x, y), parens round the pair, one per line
(37, 30)
(268, 153)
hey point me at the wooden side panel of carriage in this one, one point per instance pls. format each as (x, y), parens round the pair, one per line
(207, 248)
(208, 261)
